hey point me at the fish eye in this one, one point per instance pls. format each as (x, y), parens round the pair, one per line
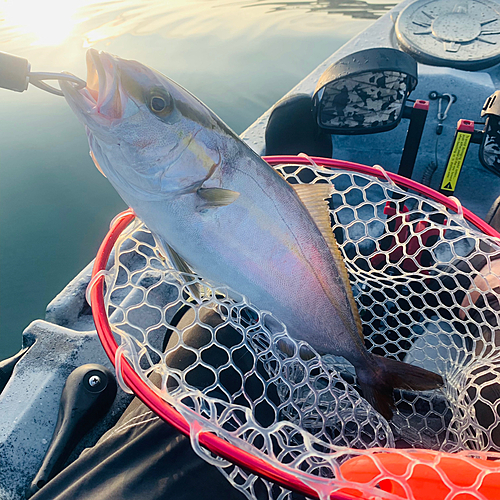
(160, 103)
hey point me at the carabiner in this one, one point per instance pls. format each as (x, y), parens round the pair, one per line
(451, 99)
(433, 95)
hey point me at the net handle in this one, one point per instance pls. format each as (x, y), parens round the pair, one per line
(288, 478)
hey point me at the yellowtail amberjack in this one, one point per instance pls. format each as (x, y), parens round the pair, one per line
(223, 212)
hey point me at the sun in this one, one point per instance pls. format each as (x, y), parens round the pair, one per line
(46, 23)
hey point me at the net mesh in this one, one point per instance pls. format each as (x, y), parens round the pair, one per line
(425, 285)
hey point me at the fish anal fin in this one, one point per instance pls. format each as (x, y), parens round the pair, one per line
(182, 266)
(96, 163)
(217, 197)
(314, 197)
(286, 347)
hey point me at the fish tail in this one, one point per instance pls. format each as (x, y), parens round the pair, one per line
(385, 374)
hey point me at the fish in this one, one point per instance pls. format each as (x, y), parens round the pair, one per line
(221, 211)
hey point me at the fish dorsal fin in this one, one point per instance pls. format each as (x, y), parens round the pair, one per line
(217, 197)
(314, 196)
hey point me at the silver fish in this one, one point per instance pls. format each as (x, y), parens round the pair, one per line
(223, 212)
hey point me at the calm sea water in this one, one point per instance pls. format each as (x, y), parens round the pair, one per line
(239, 57)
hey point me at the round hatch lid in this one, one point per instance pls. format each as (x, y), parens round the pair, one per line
(463, 34)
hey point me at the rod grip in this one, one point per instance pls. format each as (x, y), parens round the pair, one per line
(14, 72)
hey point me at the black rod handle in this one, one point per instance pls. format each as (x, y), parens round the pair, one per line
(413, 137)
(87, 396)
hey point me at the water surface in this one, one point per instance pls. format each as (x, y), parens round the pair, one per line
(239, 57)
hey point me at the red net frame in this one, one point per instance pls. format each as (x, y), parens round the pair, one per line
(289, 478)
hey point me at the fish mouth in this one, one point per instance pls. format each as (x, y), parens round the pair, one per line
(102, 99)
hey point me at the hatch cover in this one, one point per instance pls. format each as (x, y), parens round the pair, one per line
(456, 33)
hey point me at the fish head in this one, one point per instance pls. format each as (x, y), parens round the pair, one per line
(148, 135)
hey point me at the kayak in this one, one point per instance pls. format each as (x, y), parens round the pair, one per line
(450, 66)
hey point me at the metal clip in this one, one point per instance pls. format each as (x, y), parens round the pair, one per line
(451, 98)
(37, 79)
(16, 74)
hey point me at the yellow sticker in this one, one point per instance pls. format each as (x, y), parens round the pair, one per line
(455, 162)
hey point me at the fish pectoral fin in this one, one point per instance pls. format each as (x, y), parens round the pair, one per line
(314, 196)
(217, 197)
(182, 266)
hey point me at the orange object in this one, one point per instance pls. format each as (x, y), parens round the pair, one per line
(424, 475)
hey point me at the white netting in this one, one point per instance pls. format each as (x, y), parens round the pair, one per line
(423, 281)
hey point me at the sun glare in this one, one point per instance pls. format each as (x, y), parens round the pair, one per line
(47, 22)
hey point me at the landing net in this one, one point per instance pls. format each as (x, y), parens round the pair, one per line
(422, 278)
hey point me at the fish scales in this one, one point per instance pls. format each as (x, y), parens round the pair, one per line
(264, 245)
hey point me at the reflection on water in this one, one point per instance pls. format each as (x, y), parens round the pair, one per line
(48, 22)
(239, 57)
(51, 22)
(357, 9)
